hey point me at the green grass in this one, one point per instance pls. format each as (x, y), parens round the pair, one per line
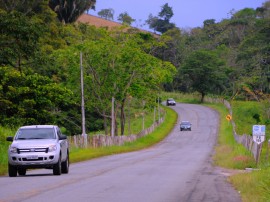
(244, 113)
(181, 97)
(3, 149)
(230, 154)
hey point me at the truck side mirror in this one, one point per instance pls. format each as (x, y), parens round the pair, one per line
(9, 139)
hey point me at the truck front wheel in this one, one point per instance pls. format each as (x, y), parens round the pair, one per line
(12, 170)
(65, 165)
(57, 167)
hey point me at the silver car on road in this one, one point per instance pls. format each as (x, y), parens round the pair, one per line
(38, 146)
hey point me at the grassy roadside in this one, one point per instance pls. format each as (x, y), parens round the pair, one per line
(3, 149)
(159, 134)
(252, 186)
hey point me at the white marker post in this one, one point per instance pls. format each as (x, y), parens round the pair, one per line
(258, 134)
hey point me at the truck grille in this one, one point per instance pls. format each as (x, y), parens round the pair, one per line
(28, 150)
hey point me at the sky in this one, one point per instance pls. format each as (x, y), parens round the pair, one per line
(187, 13)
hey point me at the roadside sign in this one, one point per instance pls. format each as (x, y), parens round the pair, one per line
(229, 117)
(258, 133)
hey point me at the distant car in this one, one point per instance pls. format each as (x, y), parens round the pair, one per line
(185, 125)
(170, 101)
(38, 146)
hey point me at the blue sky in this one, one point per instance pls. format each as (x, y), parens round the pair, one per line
(187, 13)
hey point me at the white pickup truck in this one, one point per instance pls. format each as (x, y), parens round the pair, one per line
(38, 146)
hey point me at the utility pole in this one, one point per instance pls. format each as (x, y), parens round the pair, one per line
(158, 109)
(83, 108)
(113, 119)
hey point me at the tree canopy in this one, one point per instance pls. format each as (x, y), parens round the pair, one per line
(69, 10)
(125, 18)
(106, 13)
(204, 72)
(162, 22)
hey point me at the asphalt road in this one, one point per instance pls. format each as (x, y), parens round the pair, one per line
(178, 169)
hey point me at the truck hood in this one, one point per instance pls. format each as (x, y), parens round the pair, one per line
(33, 143)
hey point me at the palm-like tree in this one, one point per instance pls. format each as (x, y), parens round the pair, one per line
(69, 10)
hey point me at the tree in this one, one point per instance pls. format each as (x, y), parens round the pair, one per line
(166, 12)
(253, 58)
(31, 98)
(204, 72)
(26, 7)
(162, 22)
(125, 18)
(106, 13)
(19, 38)
(117, 67)
(69, 10)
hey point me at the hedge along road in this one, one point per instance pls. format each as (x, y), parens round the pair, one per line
(175, 170)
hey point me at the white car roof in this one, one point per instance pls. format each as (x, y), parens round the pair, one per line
(37, 126)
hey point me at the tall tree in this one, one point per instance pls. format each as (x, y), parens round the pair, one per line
(204, 72)
(125, 18)
(106, 13)
(24, 6)
(116, 67)
(69, 10)
(18, 39)
(162, 22)
(30, 98)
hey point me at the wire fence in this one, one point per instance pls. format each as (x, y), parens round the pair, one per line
(245, 140)
(101, 140)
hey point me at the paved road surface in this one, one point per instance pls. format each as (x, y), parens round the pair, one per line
(176, 170)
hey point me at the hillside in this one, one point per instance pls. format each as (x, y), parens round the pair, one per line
(101, 22)
(97, 21)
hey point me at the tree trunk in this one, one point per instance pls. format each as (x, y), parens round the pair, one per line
(123, 117)
(105, 125)
(115, 118)
(202, 98)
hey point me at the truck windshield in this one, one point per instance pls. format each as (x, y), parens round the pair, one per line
(35, 133)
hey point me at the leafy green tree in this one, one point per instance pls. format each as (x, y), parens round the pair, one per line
(204, 72)
(27, 7)
(162, 22)
(31, 98)
(69, 10)
(106, 13)
(125, 18)
(115, 67)
(254, 59)
(19, 39)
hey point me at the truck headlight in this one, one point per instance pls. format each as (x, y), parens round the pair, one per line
(52, 148)
(13, 149)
